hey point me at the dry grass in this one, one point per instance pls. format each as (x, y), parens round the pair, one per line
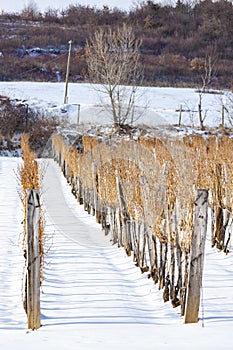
(29, 178)
(159, 177)
(158, 181)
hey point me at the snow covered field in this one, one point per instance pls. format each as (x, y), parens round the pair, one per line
(158, 106)
(93, 297)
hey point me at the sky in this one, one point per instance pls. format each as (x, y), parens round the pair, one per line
(18, 5)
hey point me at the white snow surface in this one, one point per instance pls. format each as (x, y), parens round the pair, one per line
(93, 296)
(155, 105)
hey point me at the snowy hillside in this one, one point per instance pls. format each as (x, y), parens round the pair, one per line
(157, 106)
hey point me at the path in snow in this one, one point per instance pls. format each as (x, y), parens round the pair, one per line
(93, 296)
(86, 279)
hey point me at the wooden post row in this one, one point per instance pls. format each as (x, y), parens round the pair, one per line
(197, 257)
(33, 259)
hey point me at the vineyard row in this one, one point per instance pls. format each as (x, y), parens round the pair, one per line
(143, 193)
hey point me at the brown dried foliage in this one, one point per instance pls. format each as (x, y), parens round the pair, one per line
(30, 179)
(159, 177)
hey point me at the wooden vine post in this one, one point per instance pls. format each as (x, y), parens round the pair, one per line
(33, 259)
(197, 257)
(125, 218)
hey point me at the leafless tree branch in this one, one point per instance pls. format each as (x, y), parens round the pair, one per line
(113, 59)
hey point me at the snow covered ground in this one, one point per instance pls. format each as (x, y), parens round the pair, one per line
(93, 297)
(157, 106)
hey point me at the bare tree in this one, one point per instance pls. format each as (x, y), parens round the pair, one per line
(206, 68)
(30, 11)
(113, 60)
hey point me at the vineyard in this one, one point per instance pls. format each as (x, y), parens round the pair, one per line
(142, 191)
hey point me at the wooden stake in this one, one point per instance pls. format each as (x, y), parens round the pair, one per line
(33, 259)
(125, 218)
(197, 257)
(180, 115)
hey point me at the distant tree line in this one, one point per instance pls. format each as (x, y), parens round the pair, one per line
(172, 37)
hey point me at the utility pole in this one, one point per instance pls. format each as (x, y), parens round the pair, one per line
(67, 72)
